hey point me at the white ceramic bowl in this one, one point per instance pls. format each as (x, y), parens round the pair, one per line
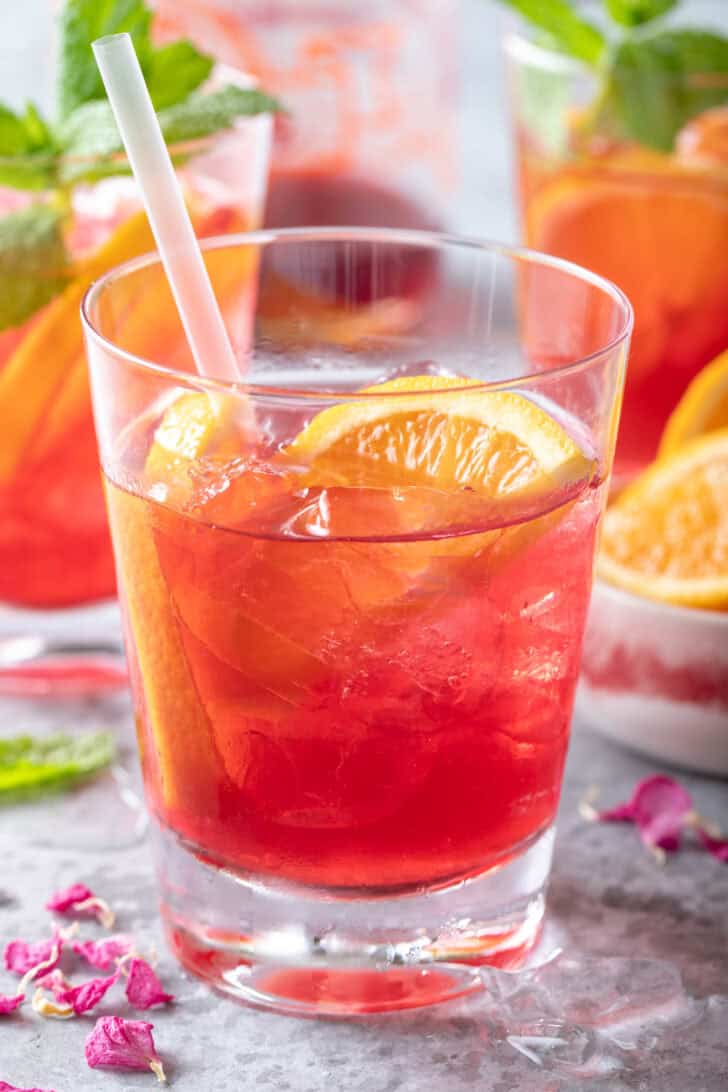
(655, 677)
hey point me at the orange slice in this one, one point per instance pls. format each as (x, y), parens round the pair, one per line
(703, 407)
(704, 140)
(653, 228)
(437, 432)
(34, 374)
(666, 537)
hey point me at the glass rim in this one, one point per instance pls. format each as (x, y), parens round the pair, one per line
(519, 46)
(391, 236)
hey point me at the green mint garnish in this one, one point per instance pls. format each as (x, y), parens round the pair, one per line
(633, 13)
(565, 28)
(653, 79)
(30, 766)
(174, 71)
(649, 85)
(33, 262)
(27, 150)
(200, 115)
(81, 22)
(83, 144)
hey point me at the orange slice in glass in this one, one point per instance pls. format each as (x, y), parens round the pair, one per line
(666, 536)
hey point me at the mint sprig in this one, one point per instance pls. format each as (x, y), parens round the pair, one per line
(83, 144)
(633, 13)
(33, 262)
(81, 22)
(653, 79)
(566, 29)
(31, 766)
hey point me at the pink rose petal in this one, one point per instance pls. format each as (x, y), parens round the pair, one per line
(718, 847)
(55, 981)
(86, 996)
(63, 901)
(659, 807)
(103, 953)
(5, 1087)
(21, 957)
(80, 899)
(122, 1044)
(143, 988)
(10, 1004)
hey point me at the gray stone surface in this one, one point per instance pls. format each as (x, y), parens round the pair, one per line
(608, 899)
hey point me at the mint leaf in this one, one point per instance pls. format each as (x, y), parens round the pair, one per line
(34, 265)
(31, 766)
(657, 83)
(633, 13)
(27, 150)
(174, 71)
(92, 147)
(566, 29)
(203, 114)
(81, 22)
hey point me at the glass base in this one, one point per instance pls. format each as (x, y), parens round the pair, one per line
(71, 652)
(307, 951)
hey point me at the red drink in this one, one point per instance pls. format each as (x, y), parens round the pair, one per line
(369, 710)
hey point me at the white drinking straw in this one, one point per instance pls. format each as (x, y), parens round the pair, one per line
(163, 201)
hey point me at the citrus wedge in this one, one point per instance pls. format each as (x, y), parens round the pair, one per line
(703, 407)
(666, 537)
(35, 373)
(655, 230)
(436, 432)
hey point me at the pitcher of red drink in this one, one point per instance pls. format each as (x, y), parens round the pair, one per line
(370, 139)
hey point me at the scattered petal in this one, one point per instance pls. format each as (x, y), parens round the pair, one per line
(103, 953)
(86, 996)
(42, 968)
(44, 1007)
(10, 1004)
(658, 807)
(55, 981)
(80, 898)
(21, 957)
(718, 847)
(5, 1087)
(143, 988)
(123, 1044)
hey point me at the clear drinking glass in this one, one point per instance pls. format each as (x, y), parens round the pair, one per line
(647, 208)
(354, 616)
(55, 552)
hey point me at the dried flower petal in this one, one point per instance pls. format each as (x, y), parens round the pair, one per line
(88, 994)
(10, 1004)
(5, 1087)
(80, 898)
(143, 988)
(658, 807)
(718, 847)
(103, 953)
(123, 1044)
(44, 1007)
(55, 981)
(21, 957)
(43, 968)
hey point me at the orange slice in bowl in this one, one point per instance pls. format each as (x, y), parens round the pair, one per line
(666, 536)
(703, 407)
